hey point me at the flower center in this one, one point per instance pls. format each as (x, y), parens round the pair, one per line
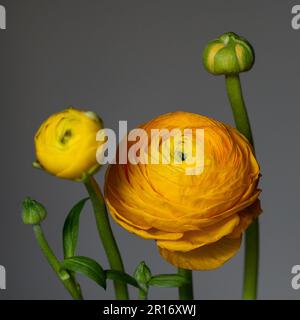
(181, 156)
(66, 136)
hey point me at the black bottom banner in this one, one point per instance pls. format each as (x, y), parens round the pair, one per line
(151, 309)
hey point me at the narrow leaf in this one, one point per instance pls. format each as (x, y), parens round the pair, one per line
(70, 230)
(121, 276)
(168, 281)
(87, 267)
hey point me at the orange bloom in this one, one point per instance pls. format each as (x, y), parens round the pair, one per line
(197, 220)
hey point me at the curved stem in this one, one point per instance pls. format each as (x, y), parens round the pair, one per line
(235, 95)
(63, 275)
(106, 235)
(186, 292)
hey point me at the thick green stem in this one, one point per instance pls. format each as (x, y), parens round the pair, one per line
(63, 275)
(235, 95)
(251, 261)
(106, 235)
(186, 291)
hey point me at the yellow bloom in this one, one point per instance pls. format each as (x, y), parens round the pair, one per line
(197, 220)
(66, 143)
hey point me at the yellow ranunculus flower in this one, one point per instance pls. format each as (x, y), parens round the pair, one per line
(196, 220)
(66, 143)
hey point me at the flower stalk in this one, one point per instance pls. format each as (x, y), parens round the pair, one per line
(142, 294)
(251, 263)
(66, 279)
(106, 235)
(240, 114)
(186, 292)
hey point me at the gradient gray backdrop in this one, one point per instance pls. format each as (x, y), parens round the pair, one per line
(133, 60)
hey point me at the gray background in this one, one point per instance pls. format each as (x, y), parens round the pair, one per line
(133, 60)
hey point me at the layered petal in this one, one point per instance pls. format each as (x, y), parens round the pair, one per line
(187, 214)
(204, 258)
(199, 238)
(246, 218)
(66, 143)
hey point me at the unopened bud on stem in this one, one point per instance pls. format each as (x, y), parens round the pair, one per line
(229, 54)
(33, 212)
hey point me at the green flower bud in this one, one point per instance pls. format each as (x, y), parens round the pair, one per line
(93, 115)
(228, 55)
(33, 212)
(36, 165)
(142, 275)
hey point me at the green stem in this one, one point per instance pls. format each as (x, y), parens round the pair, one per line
(186, 292)
(143, 295)
(235, 95)
(106, 235)
(251, 261)
(63, 275)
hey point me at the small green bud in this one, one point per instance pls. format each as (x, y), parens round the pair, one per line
(36, 165)
(228, 55)
(142, 275)
(93, 115)
(33, 212)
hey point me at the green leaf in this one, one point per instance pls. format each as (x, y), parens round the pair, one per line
(168, 281)
(121, 276)
(86, 266)
(70, 230)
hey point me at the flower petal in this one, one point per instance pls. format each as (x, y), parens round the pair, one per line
(205, 258)
(198, 238)
(246, 218)
(144, 232)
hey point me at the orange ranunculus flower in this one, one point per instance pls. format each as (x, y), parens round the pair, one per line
(196, 220)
